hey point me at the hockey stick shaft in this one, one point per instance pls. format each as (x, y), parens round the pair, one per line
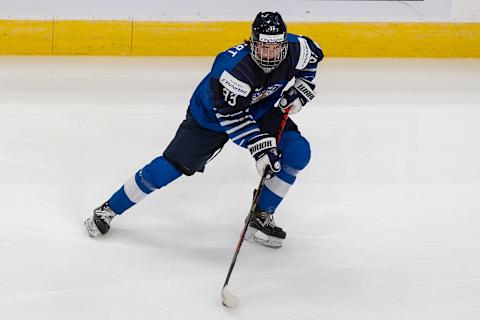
(256, 197)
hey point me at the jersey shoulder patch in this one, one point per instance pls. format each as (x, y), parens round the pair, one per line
(234, 85)
(304, 55)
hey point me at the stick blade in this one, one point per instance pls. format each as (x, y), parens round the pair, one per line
(228, 298)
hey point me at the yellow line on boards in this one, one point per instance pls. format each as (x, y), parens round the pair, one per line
(160, 38)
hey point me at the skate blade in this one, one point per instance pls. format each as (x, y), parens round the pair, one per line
(92, 228)
(258, 237)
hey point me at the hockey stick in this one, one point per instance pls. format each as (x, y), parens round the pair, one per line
(228, 298)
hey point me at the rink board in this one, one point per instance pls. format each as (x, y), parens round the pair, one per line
(157, 38)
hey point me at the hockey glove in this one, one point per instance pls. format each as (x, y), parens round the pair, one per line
(264, 150)
(296, 97)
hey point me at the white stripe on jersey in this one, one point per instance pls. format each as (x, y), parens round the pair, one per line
(228, 122)
(219, 115)
(246, 133)
(243, 125)
(310, 82)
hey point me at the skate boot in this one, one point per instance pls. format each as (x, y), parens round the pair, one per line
(99, 223)
(263, 231)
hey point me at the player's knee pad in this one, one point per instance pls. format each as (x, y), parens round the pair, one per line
(296, 151)
(160, 172)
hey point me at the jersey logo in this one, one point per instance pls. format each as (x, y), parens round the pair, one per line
(260, 95)
(234, 85)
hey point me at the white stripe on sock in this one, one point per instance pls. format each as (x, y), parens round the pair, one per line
(278, 186)
(133, 191)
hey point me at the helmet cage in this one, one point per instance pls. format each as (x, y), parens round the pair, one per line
(264, 52)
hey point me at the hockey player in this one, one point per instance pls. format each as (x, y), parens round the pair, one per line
(239, 100)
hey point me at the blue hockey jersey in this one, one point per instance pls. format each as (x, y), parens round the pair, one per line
(236, 92)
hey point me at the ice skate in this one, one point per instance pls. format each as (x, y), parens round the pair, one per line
(263, 231)
(99, 223)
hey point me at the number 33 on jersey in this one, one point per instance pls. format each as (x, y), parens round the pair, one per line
(232, 88)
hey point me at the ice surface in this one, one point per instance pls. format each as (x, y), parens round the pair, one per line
(383, 224)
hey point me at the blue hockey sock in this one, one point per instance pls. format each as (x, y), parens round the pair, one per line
(296, 155)
(276, 188)
(153, 176)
